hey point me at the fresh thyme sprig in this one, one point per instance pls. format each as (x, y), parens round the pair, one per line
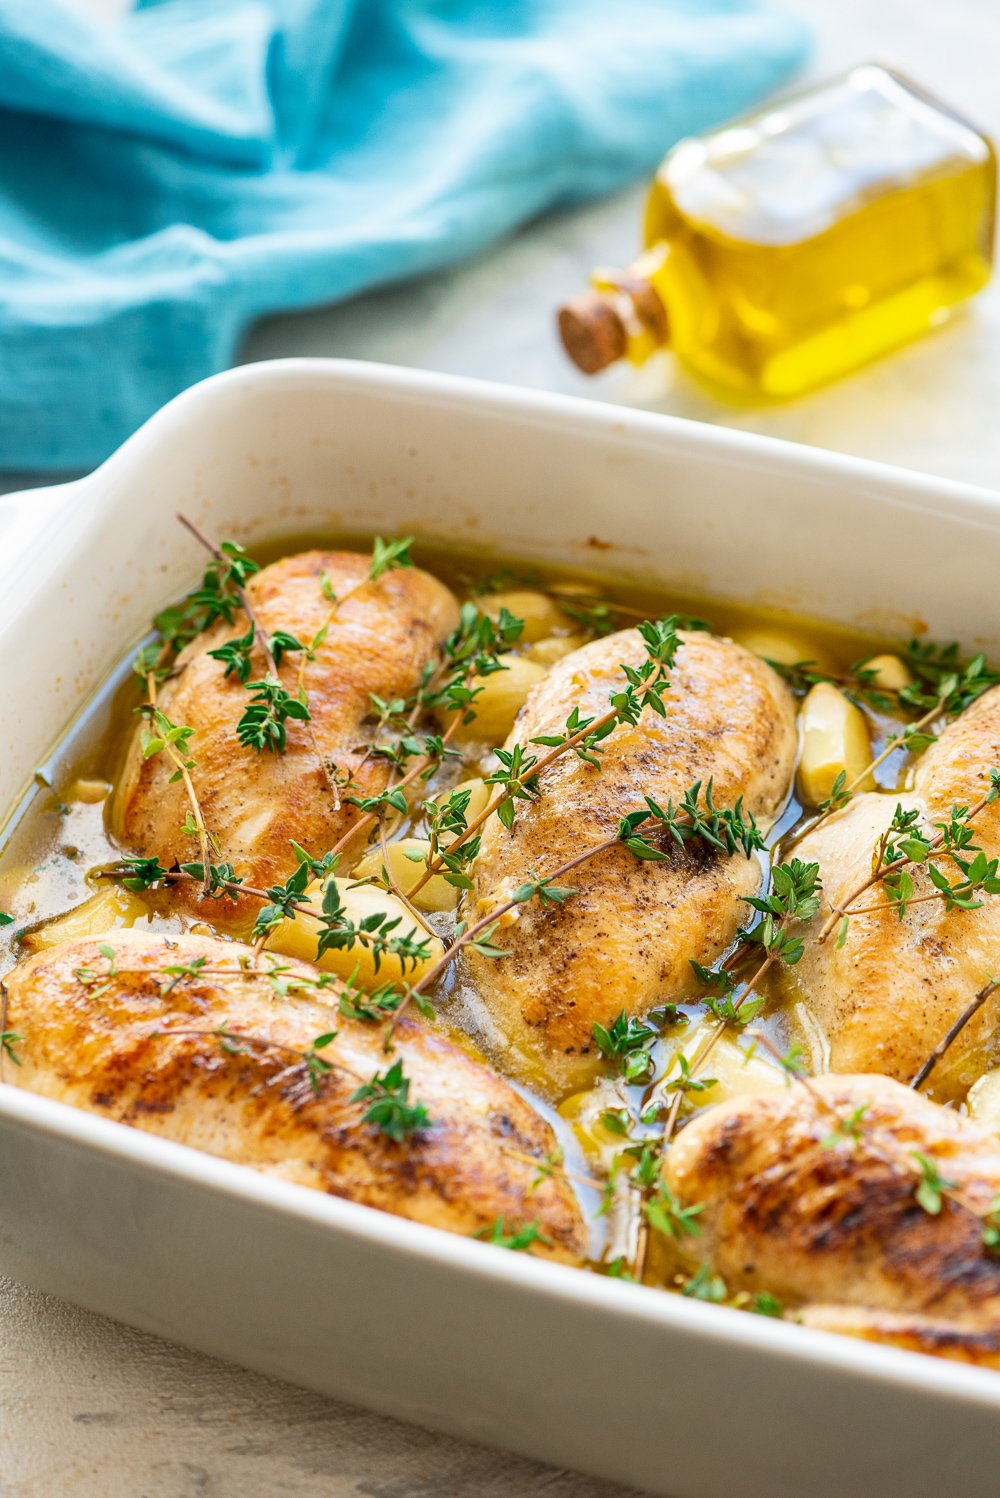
(704, 1285)
(471, 651)
(517, 1237)
(9, 1037)
(930, 1192)
(173, 740)
(602, 616)
(627, 1044)
(8, 1040)
(218, 599)
(904, 847)
(376, 932)
(262, 725)
(847, 1130)
(991, 1228)
(943, 682)
(165, 734)
(447, 821)
(468, 652)
(387, 1105)
(660, 1208)
(386, 556)
(385, 1096)
(236, 570)
(730, 830)
(237, 655)
(793, 897)
(941, 673)
(519, 771)
(97, 983)
(943, 686)
(283, 900)
(543, 888)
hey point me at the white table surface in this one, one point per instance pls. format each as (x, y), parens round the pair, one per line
(91, 1408)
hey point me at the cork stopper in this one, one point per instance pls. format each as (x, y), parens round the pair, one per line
(596, 327)
(592, 332)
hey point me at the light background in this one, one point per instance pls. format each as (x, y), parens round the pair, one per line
(89, 1408)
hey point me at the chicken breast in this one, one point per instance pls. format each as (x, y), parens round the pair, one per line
(254, 803)
(927, 1334)
(836, 1228)
(625, 940)
(133, 1041)
(890, 993)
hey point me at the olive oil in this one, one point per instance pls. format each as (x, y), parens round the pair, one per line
(795, 245)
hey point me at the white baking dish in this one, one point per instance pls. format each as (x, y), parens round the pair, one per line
(681, 1398)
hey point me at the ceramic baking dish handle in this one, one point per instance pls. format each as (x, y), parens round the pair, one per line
(31, 522)
(26, 515)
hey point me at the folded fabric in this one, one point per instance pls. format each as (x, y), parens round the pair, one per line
(167, 179)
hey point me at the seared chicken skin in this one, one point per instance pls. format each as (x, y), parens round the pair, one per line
(120, 1043)
(889, 994)
(254, 803)
(836, 1229)
(625, 940)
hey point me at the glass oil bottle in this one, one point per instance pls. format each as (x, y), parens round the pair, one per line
(799, 243)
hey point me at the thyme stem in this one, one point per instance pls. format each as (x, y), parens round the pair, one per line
(483, 924)
(434, 865)
(261, 635)
(366, 822)
(892, 745)
(953, 1033)
(192, 795)
(882, 869)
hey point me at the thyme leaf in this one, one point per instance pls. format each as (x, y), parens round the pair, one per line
(387, 1105)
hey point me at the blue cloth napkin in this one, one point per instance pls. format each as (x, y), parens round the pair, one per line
(166, 180)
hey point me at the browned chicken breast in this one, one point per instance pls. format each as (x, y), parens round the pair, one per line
(625, 940)
(889, 994)
(834, 1227)
(254, 803)
(131, 1040)
(913, 1333)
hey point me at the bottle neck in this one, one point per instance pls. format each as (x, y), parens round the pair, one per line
(623, 316)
